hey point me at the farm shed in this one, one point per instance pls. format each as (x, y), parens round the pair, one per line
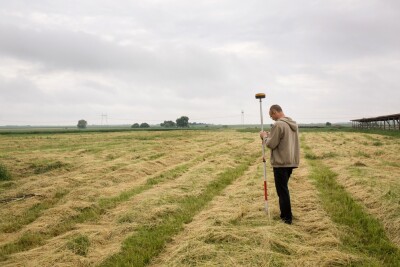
(387, 122)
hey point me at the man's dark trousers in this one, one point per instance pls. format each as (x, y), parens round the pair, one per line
(282, 176)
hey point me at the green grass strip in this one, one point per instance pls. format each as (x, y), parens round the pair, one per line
(149, 241)
(363, 234)
(79, 245)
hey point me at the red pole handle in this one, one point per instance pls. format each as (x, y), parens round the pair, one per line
(265, 190)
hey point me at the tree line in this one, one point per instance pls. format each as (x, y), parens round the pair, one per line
(181, 122)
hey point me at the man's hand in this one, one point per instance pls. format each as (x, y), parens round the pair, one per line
(263, 134)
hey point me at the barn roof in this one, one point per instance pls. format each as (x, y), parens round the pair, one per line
(380, 118)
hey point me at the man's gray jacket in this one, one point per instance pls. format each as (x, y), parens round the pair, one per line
(283, 141)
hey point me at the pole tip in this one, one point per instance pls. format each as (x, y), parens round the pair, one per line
(260, 95)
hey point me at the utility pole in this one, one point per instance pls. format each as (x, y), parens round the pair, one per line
(104, 118)
(242, 118)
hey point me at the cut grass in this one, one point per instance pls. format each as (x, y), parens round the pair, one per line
(362, 154)
(5, 175)
(86, 214)
(79, 245)
(379, 153)
(7, 185)
(156, 156)
(39, 168)
(27, 217)
(310, 155)
(108, 203)
(368, 179)
(149, 240)
(30, 215)
(377, 143)
(362, 233)
(93, 212)
(27, 240)
(391, 164)
(327, 155)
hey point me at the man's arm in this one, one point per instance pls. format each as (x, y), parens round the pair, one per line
(274, 137)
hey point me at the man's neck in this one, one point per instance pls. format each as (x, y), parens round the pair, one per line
(280, 115)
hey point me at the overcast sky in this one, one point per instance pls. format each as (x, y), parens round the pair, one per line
(156, 60)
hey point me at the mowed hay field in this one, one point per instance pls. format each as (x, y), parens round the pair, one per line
(195, 198)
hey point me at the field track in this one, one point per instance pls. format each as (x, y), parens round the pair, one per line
(195, 198)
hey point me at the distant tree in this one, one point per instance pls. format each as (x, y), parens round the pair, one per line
(135, 125)
(144, 125)
(82, 124)
(328, 124)
(182, 121)
(168, 124)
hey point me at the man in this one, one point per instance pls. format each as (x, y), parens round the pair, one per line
(283, 140)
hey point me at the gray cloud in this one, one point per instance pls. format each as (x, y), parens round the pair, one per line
(67, 49)
(77, 51)
(17, 90)
(329, 60)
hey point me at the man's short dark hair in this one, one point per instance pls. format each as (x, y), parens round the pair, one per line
(276, 108)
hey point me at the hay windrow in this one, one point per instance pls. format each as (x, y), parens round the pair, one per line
(234, 230)
(79, 180)
(370, 180)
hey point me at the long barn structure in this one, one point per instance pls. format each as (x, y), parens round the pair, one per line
(387, 122)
